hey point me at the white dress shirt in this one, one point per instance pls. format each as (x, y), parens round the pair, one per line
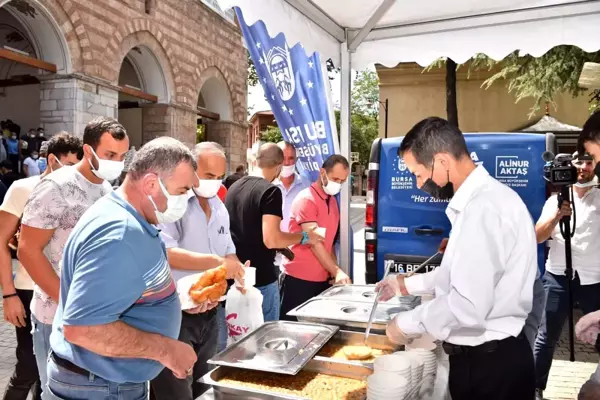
(584, 246)
(484, 285)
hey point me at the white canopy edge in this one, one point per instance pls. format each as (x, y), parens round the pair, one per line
(532, 31)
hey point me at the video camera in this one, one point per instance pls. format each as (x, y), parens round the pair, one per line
(559, 170)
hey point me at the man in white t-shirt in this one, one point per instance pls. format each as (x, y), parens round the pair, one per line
(586, 264)
(53, 209)
(63, 149)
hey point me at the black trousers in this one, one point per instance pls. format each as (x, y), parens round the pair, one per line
(296, 291)
(25, 378)
(506, 373)
(200, 331)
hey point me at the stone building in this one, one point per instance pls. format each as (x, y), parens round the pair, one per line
(160, 66)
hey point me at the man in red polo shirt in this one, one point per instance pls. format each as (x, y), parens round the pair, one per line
(314, 267)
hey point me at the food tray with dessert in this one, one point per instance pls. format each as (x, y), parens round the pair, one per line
(319, 380)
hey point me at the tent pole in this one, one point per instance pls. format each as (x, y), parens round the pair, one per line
(346, 82)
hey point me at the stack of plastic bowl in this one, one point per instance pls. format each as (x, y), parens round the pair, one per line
(425, 349)
(387, 386)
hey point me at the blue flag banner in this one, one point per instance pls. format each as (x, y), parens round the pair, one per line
(298, 92)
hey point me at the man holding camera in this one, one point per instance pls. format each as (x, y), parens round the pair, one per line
(585, 254)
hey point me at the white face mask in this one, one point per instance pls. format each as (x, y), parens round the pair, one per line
(287, 171)
(332, 188)
(208, 188)
(593, 182)
(107, 169)
(176, 206)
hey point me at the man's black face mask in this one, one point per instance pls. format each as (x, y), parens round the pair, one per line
(436, 191)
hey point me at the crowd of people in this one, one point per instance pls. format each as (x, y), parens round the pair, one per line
(103, 234)
(102, 242)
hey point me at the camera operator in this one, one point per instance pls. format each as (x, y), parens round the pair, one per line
(588, 327)
(585, 254)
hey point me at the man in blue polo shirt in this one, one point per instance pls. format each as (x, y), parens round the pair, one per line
(119, 314)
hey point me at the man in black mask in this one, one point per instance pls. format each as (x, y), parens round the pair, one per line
(484, 286)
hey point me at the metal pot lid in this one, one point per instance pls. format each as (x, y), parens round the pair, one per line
(282, 347)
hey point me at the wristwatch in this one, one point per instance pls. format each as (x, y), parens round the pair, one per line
(304, 238)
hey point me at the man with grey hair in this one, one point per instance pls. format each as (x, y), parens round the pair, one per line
(119, 314)
(199, 241)
(255, 206)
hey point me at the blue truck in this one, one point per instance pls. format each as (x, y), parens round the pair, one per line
(404, 226)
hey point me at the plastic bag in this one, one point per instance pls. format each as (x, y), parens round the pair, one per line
(243, 313)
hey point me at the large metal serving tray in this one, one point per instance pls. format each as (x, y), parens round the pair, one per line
(226, 391)
(365, 294)
(347, 314)
(280, 346)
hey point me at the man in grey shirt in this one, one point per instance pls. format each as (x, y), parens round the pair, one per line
(197, 242)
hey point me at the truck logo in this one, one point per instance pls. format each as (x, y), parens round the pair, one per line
(401, 178)
(401, 165)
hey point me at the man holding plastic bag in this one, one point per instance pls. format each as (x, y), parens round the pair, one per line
(199, 241)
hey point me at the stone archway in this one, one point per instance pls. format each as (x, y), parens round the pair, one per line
(59, 34)
(214, 94)
(142, 33)
(217, 112)
(39, 44)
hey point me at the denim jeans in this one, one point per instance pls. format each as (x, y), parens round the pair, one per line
(66, 385)
(222, 341)
(534, 319)
(557, 312)
(270, 305)
(41, 348)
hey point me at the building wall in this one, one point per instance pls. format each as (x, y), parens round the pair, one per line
(414, 95)
(192, 44)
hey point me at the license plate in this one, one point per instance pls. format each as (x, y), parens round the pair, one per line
(400, 267)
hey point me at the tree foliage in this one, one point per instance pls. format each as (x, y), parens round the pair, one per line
(537, 79)
(365, 93)
(272, 134)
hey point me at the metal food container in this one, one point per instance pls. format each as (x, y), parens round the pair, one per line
(365, 294)
(226, 391)
(281, 346)
(349, 338)
(348, 314)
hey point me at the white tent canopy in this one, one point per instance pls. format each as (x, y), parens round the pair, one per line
(357, 33)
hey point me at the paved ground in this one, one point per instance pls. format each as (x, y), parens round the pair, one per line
(565, 377)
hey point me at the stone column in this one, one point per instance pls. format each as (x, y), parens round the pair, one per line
(168, 120)
(233, 137)
(69, 102)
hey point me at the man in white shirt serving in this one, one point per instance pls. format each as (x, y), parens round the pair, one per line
(484, 286)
